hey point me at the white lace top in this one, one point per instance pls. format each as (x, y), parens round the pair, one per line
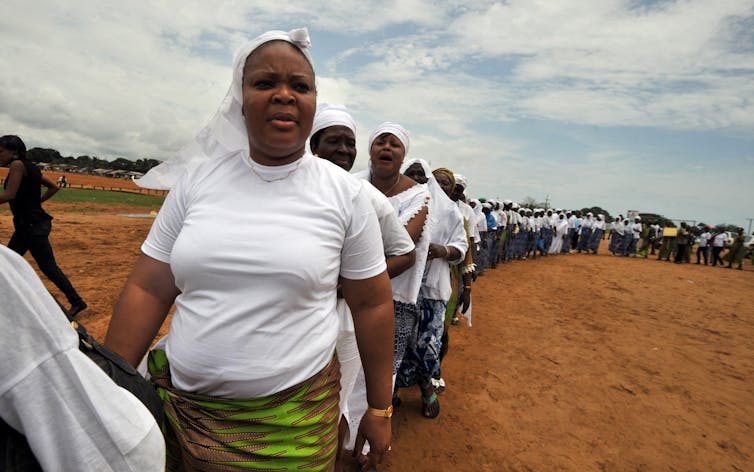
(407, 204)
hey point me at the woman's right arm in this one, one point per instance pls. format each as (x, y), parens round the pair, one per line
(142, 308)
(415, 226)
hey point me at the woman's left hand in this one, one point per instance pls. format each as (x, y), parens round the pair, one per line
(436, 251)
(377, 431)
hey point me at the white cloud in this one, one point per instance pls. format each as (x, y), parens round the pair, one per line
(139, 79)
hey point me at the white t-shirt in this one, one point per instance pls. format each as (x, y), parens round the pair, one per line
(395, 239)
(257, 263)
(618, 228)
(468, 213)
(719, 240)
(704, 239)
(481, 222)
(636, 229)
(73, 415)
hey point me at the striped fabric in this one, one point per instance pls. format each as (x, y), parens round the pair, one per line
(295, 429)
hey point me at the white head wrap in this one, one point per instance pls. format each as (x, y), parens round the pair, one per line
(393, 128)
(226, 131)
(441, 209)
(332, 115)
(461, 180)
(515, 205)
(487, 205)
(439, 205)
(507, 202)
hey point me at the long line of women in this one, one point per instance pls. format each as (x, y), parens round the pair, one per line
(504, 231)
(304, 297)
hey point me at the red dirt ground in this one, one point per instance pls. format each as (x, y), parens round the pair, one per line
(574, 363)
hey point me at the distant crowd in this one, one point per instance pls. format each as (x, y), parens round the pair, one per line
(504, 231)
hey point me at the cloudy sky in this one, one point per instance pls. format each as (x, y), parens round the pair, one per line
(625, 104)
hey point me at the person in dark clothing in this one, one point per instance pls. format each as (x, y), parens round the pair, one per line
(682, 242)
(31, 223)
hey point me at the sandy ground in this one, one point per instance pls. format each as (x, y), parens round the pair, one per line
(573, 363)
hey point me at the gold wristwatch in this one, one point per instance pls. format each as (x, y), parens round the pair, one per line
(386, 413)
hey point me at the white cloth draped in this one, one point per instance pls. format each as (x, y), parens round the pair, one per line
(225, 133)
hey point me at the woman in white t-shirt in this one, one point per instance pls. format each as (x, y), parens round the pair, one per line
(250, 248)
(334, 139)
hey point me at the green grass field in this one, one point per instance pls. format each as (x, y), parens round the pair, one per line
(88, 200)
(74, 195)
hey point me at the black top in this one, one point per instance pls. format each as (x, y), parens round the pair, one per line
(26, 206)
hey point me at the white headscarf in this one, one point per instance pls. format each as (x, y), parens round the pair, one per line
(441, 210)
(332, 115)
(226, 131)
(439, 204)
(393, 128)
(477, 206)
(461, 180)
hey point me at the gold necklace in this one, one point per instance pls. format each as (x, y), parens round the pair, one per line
(290, 172)
(391, 187)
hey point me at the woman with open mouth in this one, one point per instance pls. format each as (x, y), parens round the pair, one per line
(250, 245)
(388, 146)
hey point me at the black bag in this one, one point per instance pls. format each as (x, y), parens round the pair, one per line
(121, 372)
(15, 453)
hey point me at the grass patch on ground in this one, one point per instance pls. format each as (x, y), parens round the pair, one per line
(102, 197)
(84, 201)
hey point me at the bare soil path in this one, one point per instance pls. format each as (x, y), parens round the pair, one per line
(573, 363)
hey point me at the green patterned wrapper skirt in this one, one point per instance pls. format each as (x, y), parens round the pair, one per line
(295, 429)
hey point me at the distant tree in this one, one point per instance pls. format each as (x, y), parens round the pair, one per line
(122, 164)
(727, 227)
(654, 218)
(98, 163)
(84, 162)
(51, 156)
(531, 202)
(43, 155)
(595, 210)
(143, 165)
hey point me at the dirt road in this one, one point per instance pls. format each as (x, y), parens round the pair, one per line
(573, 363)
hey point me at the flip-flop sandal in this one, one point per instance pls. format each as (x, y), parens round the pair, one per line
(427, 402)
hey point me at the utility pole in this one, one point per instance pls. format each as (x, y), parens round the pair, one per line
(749, 220)
(547, 202)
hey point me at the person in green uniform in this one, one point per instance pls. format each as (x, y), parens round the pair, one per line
(736, 253)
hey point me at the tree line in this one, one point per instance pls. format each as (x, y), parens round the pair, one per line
(51, 156)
